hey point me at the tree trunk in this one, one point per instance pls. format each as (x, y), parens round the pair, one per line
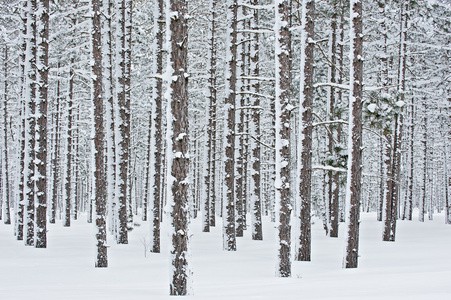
(99, 137)
(283, 152)
(178, 160)
(256, 193)
(5, 124)
(42, 18)
(30, 121)
(68, 181)
(229, 232)
(123, 124)
(303, 248)
(354, 175)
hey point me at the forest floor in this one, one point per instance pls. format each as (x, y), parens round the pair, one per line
(416, 266)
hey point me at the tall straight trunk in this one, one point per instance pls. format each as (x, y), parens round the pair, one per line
(99, 137)
(123, 123)
(68, 181)
(22, 141)
(411, 177)
(283, 152)
(178, 161)
(30, 122)
(392, 202)
(229, 230)
(127, 82)
(256, 192)
(303, 247)
(147, 170)
(212, 98)
(447, 183)
(110, 117)
(56, 158)
(425, 152)
(354, 175)
(157, 123)
(42, 57)
(5, 150)
(333, 200)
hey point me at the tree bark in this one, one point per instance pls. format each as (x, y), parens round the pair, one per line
(179, 160)
(354, 175)
(283, 152)
(303, 249)
(229, 230)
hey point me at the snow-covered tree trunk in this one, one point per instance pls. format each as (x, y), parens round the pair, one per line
(354, 175)
(409, 209)
(68, 179)
(229, 230)
(100, 184)
(283, 152)
(110, 116)
(303, 247)
(333, 182)
(422, 203)
(30, 122)
(178, 160)
(123, 123)
(42, 66)
(22, 141)
(127, 83)
(157, 126)
(56, 151)
(7, 209)
(212, 113)
(255, 186)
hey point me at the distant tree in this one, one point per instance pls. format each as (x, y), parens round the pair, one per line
(5, 150)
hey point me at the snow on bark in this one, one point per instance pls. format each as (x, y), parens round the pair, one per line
(100, 184)
(255, 183)
(303, 247)
(42, 65)
(283, 111)
(157, 126)
(354, 174)
(123, 124)
(5, 150)
(229, 230)
(30, 122)
(178, 156)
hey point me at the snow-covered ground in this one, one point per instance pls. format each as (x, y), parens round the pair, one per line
(416, 266)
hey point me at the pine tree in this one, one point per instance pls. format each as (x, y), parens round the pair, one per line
(229, 230)
(283, 111)
(99, 137)
(303, 250)
(354, 175)
(178, 160)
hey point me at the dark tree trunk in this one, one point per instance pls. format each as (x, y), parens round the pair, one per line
(123, 139)
(179, 161)
(41, 122)
(159, 27)
(99, 138)
(354, 180)
(229, 200)
(256, 203)
(56, 150)
(30, 127)
(303, 250)
(68, 181)
(283, 152)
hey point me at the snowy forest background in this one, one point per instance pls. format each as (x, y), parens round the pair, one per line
(247, 139)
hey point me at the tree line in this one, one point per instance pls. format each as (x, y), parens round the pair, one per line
(126, 110)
